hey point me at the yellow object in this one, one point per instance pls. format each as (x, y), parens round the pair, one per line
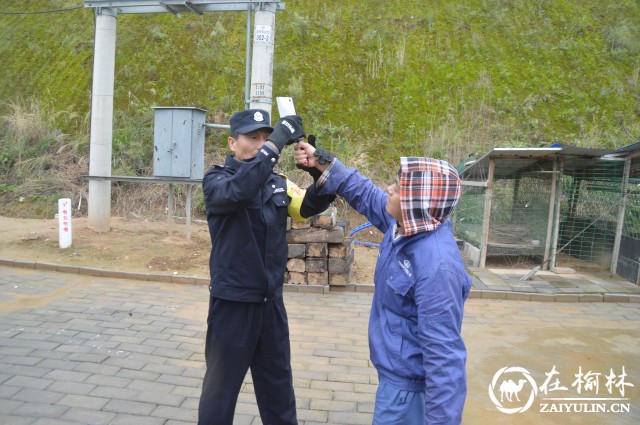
(297, 195)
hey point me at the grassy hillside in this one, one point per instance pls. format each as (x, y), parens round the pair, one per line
(375, 79)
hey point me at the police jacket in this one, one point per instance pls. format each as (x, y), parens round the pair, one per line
(247, 207)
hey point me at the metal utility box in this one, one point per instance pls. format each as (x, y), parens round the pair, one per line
(178, 142)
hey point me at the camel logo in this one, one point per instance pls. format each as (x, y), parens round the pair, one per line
(511, 383)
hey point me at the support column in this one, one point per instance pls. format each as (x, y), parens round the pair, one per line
(486, 220)
(621, 215)
(100, 141)
(557, 216)
(551, 215)
(262, 61)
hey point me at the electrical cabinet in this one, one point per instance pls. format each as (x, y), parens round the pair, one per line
(178, 142)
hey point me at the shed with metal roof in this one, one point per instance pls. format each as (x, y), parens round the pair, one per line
(557, 206)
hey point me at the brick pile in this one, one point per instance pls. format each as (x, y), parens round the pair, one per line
(319, 251)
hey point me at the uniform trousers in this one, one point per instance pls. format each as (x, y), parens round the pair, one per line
(242, 336)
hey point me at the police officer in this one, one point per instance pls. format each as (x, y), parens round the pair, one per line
(247, 205)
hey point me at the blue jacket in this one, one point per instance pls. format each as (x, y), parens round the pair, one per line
(416, 316)
(246, 205)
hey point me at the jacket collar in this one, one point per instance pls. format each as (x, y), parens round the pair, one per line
(231, 162)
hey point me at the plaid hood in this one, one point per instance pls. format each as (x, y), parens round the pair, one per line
(429, 189)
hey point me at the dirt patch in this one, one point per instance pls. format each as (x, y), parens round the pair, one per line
(142, 245)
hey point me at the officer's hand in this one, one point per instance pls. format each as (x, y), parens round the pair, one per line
(287, 130)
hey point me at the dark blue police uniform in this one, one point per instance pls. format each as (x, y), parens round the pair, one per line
(246, 206)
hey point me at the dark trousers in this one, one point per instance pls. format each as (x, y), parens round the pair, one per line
(242, 336)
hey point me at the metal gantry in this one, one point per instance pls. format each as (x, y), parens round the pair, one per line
(258, 86)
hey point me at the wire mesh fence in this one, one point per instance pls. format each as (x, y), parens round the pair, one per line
(519, 210)
(571, 223)
(632, 210)
(468, 215)
(589, 212)
(628, 264)
(519, 214)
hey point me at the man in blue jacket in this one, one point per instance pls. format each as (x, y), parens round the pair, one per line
(247, 205)
(420, 286)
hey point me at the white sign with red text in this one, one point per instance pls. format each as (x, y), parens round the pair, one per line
(64, 222)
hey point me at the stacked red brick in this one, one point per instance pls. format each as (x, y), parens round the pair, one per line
(319, 251)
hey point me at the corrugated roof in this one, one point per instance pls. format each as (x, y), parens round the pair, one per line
(525, 158)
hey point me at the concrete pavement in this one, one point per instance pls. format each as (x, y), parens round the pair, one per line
(81, 349)
(563, 285)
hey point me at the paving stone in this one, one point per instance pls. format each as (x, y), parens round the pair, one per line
(28, 382)
(16, 367)
(88, 416)
(333, 405)
(95, 403)
(117, 393)
(349, 418)
(28, 395)
(129, 407)
(150, 386)
(121, 419)
(39, 410)
(8, 406)
(71, 387)
(333, 377)
(313, 415)
(15, 420)
(173, 400)
(67, 375)
(183, 381)
(175, 413)
(109, 380)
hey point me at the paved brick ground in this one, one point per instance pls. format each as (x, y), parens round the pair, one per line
(78, 349)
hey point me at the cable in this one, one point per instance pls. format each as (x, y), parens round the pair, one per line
(42, 11)
(357, 229)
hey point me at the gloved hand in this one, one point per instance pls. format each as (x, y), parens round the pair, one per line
(323, 156)
(287, 131)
